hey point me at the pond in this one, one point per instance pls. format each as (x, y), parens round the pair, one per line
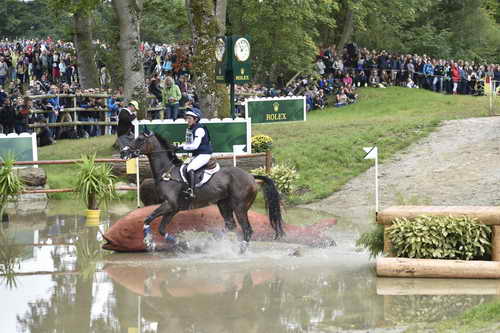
(63, 282)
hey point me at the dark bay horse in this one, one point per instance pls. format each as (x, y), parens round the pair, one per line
(232, 189)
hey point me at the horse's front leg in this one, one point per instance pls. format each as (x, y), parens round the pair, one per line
(164, 209)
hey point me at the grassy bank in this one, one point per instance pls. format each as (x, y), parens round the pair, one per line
(481, 318)
(327, 149)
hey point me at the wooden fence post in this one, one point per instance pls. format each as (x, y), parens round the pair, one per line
(269, 161)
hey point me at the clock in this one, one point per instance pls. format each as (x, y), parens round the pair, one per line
(220, 48)
(242, 49)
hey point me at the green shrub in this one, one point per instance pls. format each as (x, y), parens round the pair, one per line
(95, 183)
(261, 143)
(440, 237)
(283, 175)
(373, 240)
(10, 182)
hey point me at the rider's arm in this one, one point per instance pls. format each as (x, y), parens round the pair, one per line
(198, 135)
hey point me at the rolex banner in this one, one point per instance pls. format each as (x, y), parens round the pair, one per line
(272, 110)
(224, 134)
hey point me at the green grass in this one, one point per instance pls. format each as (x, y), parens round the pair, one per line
(327, 148)
(63, 176)
(481, 318)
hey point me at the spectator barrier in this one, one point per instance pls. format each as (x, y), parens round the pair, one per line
(279, 109)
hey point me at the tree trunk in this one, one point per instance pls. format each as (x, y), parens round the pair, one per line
(85, 50)
(204, 29)
(129, 14)
(92, 202)
(220, 15)
(348, 26)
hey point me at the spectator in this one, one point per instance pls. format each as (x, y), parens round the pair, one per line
(171, 95)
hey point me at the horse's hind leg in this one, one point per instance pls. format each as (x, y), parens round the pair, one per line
(242, 216)
(226, 210)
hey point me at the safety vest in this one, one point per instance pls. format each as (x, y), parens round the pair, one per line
(205, 146)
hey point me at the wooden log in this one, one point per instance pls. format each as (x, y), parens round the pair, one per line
(485, 214)
(421, 286)
(495, 243)
(437, 268)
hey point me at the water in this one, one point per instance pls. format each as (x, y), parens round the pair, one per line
(65, 283)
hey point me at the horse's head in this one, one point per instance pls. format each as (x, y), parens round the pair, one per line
(142, 145)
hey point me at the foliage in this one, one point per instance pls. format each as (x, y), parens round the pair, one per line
(95, 183)
(261, 143)
(10, 253)
(373, 240)
(283, 33)
(10, 183)
(164, 21)
(440, 237)
(466, 29)
(479, 317)
(88, 252)
(283, 175)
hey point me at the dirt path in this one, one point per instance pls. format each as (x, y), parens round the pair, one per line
(458, 164)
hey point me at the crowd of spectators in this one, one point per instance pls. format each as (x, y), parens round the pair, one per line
(48, 67)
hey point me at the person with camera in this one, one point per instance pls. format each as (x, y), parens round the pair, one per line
(171, 94)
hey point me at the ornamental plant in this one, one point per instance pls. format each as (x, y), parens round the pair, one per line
(10, 183)
(283, 175)
(261, 143)
(373, 240)
(440, 237)
(95, 183)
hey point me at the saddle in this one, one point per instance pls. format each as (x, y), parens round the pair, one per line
(203, 174)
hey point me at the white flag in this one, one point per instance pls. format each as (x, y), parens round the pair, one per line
(371, 153)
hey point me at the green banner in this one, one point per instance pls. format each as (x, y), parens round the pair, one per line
(23, 147)
(272, 110)
(223, 134)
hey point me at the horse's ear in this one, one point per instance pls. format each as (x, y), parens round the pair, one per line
(147, 132)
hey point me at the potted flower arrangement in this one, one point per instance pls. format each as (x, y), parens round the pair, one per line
(95, 185)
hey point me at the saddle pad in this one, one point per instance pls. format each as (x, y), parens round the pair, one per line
(207, 174)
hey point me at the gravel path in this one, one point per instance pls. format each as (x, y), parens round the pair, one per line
(458, 164)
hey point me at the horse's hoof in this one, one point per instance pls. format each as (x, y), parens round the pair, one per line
(148, 239)
(244, 247)
(183, 246)
(149, 243)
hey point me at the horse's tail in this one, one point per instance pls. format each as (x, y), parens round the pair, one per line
(273, 205)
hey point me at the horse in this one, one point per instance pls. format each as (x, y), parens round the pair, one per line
(231, 188)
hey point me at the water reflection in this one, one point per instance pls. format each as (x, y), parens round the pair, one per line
(65, 282)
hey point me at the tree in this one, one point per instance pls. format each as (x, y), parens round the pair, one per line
(85, 49)
(283, 33)
(205, 18)
(129, 13)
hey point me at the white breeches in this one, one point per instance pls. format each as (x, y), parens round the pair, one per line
(198, 162)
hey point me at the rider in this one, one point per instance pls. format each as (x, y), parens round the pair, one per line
(198, 143)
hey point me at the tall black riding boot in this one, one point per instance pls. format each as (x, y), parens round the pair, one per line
(191, 184)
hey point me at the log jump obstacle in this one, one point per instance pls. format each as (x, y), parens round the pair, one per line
(389, 266)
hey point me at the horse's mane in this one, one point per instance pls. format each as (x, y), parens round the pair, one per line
(170, 148)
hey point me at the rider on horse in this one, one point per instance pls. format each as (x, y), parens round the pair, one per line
(198, 143)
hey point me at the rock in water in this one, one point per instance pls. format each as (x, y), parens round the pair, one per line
(126, 235)
(32, 176)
